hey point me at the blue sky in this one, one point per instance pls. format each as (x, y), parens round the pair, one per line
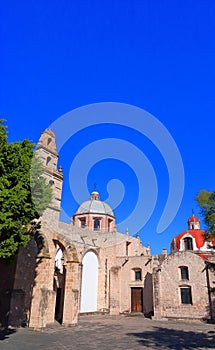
(157, 55)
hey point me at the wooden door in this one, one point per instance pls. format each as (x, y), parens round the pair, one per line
(137, 299)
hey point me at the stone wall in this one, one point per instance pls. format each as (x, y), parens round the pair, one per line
(128, 266)
(17, 281)
(167, 284)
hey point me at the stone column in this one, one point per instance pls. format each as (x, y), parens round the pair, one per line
(43, 296)
(72, 294)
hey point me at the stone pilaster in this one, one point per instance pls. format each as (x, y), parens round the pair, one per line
(156, 293)
(43, 296)
(115, 290)
(72, 294)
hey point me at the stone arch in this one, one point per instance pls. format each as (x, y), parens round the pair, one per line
(93, 251)
(89, 285)
(71, 252)
(59, 255)
(42, 243)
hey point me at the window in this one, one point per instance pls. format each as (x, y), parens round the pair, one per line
(186, 297)
(109, 224)
(49, 141)
(184, 273)
(48, 160)
(96, 225)
(126, 248)
(83, 222)
(188, 243)
(138, 275)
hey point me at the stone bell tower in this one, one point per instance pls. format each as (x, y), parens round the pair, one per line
(43, 295)
(48, 156)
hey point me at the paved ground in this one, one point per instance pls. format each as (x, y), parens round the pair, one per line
(110, 333)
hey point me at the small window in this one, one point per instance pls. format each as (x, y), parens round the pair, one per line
(109, 224)
(48, 160)
(184, 273)
(188, 243)
(49, 141)
(83, 222)
(186, 297)
(138, 275)
(51, 182)
(127, 248)
(96, 225)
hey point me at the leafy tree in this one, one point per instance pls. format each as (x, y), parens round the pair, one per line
(24, 195)
(206, 201)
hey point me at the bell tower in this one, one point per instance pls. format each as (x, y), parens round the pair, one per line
(193, 223)
(47, 154)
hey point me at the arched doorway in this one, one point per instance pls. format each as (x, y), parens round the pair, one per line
(89, 288)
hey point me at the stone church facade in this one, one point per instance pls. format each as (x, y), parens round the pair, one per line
(87, 266)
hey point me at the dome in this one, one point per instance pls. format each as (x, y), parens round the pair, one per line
(94, 205)
(193, 218)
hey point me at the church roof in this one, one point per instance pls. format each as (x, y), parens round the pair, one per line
(94, 205)
(193, 218)
(199, 236)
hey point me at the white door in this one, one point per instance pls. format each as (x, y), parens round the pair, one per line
(89, 289)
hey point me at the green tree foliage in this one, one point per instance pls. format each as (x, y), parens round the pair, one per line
(24, 195)
(206, 201)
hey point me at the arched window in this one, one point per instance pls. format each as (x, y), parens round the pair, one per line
(188, 243)
(49, 141)
(48, 159)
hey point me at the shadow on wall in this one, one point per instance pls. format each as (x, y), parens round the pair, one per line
(210, 310)
(148, 296)
(164, 338)
(7, 273)
(17, 282)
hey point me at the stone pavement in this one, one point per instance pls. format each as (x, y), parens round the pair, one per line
(110, 333)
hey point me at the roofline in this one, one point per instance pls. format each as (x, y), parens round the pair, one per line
(93, 213)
